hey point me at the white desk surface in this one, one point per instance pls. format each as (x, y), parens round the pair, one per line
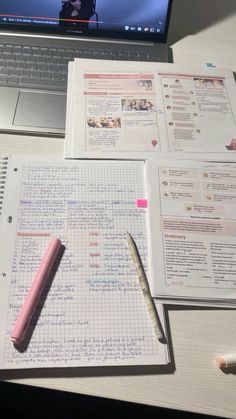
(219, 31)
(212, 45)
(192, 382)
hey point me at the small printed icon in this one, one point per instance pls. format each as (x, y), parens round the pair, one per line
(126, 28)
(146, 29)
(188, 207)
(151, 29)
(154, 142)
(139, 28)
(158, 30)
(232, 145)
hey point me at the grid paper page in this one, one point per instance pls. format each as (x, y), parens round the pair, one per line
(92, 311)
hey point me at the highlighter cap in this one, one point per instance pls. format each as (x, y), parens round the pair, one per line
(220, 362)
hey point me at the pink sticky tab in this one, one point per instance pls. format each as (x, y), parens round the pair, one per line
(142, 203)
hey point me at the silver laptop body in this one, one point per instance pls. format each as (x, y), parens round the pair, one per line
(37, 41)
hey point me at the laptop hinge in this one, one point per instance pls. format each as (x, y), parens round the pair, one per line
(77, 38)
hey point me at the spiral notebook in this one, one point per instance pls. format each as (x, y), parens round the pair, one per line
(92, 313)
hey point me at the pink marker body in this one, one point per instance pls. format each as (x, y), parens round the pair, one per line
(40, 279)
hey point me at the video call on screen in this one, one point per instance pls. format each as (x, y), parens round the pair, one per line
(122, 15)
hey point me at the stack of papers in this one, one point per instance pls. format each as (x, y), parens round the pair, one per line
(138, 110)
(192, 208)
(182, 122)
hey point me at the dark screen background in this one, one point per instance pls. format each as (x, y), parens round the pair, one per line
(114, 14)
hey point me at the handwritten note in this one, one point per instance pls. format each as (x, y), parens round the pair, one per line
(92, 311)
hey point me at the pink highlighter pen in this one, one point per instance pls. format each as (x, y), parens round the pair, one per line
(40, 279)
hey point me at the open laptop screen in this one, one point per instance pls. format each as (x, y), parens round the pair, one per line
(131, 19)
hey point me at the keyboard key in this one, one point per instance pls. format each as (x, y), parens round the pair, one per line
(68, 55)
(4, 70)
(32, 66)
(3, 78)
(62, 61)
(36, 52)
(57, 76)
(17, 49)
(27, 53)
(57, 54)
(41, 62)
(20, 59)
(62, 70)
(142, 57)
(52, 60)
(132, 56)
(26, 73)
(14, 72)
(13, 80)
(8, 49)
(106, 56)
(114, 56)
(11, 64)
(52, 67)
(87, 54)
(21, 66)
(11, 57)
(47, 54)
(30, 59)
(96, 55)
(42, 67)
(47, 75)
(36, 74)
(123, 56)
(154, 58)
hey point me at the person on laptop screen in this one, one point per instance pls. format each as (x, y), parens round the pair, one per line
(77, 11)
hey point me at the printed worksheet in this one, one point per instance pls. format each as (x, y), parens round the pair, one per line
(92, 311)
(193, 207)
(137, 110)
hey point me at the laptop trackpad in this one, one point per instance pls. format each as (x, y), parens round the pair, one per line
(39, 109)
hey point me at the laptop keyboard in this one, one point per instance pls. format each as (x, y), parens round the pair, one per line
(43, 67)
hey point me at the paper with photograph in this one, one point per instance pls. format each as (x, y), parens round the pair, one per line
(141, 109)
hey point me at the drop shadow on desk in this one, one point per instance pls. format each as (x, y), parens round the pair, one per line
(80, 372)
(25, 402)
(189, 17)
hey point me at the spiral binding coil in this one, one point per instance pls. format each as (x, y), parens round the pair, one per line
(3, 175)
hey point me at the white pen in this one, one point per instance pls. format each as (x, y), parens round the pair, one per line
(145, 288)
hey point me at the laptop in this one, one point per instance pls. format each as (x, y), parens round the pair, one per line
(39, 37)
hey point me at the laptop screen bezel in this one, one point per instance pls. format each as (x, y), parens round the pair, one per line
(94, 33)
